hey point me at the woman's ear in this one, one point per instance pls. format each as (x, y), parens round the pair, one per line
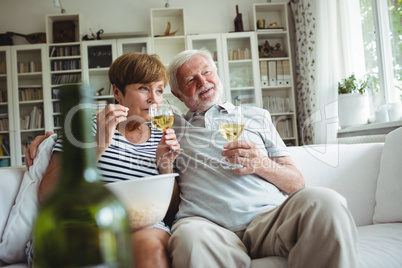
(116, 93)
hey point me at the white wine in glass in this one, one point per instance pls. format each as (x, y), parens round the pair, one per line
(162, 117)
(231, 126)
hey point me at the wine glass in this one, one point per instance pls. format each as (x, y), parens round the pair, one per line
(162, 118)
(231, 125)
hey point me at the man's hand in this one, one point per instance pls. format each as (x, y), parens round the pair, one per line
(32, 149)
(280, 171)
(247, 154)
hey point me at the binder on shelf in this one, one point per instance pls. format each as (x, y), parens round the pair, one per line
(272, 73)
(286, 72)
(279, 73)
(264, 73)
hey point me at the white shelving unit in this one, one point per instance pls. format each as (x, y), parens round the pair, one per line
(31, 98)
(7, 129)
(275, 68)
(64, 57)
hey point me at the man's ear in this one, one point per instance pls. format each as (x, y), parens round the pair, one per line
(177, 96)
(116, 93)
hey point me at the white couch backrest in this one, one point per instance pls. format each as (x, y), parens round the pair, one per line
(351, 170)
(10, 181)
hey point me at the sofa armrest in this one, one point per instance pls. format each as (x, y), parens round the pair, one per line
(10, 181)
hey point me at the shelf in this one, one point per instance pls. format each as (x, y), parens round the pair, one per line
(66, 71)
(268, 88)
(32, 130)
(30, 102)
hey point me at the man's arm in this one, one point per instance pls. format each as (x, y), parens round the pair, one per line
(32, 149)
(50, 178)
(174, 205)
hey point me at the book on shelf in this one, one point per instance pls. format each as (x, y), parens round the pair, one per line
(276, 104)
(32, 123)
(39, 117)
(28, 94)
(239, 54)
(283, 126)
(29, 67)
(3, 69)
(25, 121)
(3, 96)
(5, 146)
(56, 107)
(3, 122)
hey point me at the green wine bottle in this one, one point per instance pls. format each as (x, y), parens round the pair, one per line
(81, 224)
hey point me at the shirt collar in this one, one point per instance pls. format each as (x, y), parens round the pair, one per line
(226, 106)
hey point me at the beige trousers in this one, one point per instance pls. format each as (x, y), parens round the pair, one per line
(312, 228)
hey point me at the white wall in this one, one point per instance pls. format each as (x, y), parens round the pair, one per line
(115, 16)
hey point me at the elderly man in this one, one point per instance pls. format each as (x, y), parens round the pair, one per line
(226, 218)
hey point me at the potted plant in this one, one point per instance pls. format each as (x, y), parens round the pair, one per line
(353, 103)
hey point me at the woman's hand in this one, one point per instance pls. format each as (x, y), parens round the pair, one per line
(164, 159)
(107, 121)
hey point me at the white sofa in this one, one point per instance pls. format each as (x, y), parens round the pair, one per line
(368, 175)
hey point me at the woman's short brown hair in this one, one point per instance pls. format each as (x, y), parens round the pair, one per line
(134, 68)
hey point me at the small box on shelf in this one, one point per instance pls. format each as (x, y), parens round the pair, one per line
(63, 28)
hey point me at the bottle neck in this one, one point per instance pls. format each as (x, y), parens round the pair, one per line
(78, 157)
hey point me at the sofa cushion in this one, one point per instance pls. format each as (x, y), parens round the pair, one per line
(380, 245)
(389, 185)
(350, 169)
(17, 231)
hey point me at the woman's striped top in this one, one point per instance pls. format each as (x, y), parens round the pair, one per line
(124, 160)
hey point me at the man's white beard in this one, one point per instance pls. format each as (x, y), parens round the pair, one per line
(204, 105)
